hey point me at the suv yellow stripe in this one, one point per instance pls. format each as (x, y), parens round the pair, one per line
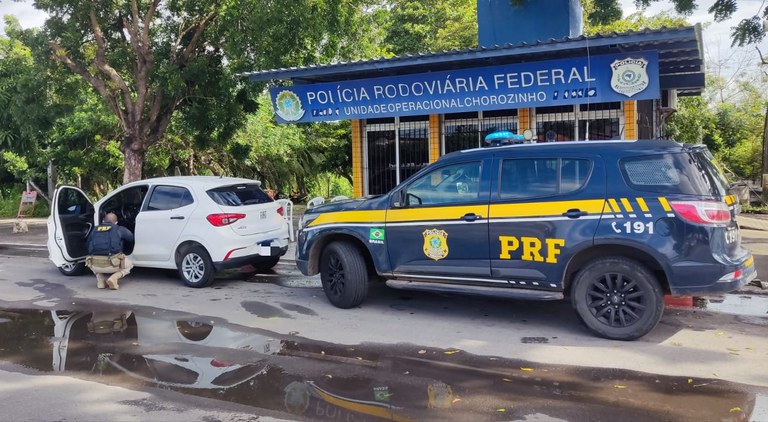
(614, 205)
(626, 204)
(540, 209)
(435, 213)
(643, 205)
(665, 204)
(367, 216)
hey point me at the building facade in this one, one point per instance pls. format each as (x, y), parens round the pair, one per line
(408, 111)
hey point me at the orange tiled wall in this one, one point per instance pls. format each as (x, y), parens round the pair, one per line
(630, 119)
(357, 159)
(434, 137)
(524, 120)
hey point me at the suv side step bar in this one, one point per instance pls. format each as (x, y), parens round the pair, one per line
(505, 292)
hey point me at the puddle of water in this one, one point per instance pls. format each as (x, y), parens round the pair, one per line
(314, 380)
(735, 304)
(540, 340)
(297, 308)
(263, 310)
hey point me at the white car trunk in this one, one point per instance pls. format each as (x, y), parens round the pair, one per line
(259, 218)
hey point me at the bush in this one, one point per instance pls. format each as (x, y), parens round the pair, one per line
(9, 204)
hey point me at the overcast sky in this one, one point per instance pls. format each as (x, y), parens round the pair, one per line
(717, 36)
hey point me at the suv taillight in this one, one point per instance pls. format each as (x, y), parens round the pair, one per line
(224, 219)
(280, 211)
(702, 212)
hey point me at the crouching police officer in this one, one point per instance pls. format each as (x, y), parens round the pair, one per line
(105, 250)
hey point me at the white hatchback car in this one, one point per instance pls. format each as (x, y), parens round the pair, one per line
(194, 224)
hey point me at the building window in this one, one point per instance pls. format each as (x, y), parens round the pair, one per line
(461, 131)
(496, 120)
(395, 149)
(380, 148)
(595, 122)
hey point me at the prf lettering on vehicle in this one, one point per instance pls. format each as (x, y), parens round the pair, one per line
(530, 248)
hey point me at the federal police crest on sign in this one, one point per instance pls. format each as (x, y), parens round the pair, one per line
(435, 244)
(630, 76)
(288, 106)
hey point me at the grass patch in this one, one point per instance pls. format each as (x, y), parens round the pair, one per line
(754, 209)
(9, 207)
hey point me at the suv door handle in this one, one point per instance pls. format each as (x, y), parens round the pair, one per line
(177, 217)
(574, 213)
(470, 216)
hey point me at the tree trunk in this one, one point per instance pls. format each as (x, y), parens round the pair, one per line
(134, 161)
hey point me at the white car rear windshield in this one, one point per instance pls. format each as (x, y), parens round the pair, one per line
(239, 195)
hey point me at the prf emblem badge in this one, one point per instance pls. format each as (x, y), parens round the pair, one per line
(435, 244)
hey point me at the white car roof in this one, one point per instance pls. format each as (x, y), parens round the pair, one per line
(203, 181)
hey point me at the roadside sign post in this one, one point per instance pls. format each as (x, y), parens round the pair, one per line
(26, 208)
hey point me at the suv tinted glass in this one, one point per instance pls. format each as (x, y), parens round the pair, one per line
(238, 195)
(458, 183)
(537, 177)
(168, 198)
(689, 173)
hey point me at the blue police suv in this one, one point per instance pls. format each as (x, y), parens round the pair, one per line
(613, 225)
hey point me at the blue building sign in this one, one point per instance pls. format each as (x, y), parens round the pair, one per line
(595, 79)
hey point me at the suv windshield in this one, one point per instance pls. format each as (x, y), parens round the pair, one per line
(239, 195)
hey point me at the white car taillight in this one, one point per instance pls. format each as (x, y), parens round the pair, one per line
(224, 219)
(280, 211)
(710, 213)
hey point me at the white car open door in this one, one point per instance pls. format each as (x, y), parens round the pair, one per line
(70, 223)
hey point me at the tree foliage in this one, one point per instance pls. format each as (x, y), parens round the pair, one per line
(421, 26)
(747, 31)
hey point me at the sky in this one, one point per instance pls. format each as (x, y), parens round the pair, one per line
(717, 36)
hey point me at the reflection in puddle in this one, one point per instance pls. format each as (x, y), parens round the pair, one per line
(734, 304)
(322, 381)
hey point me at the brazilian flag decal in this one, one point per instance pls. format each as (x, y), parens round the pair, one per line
(376, 234)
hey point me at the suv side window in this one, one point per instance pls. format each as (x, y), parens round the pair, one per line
(458, 183)
(539, 177)
(168, 198)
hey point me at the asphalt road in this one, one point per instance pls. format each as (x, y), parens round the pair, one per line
(478, 346)
(702, 346)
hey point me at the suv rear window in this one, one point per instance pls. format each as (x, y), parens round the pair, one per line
(688, 173)
(239, 195)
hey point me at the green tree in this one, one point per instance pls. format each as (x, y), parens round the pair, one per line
(420, 26)
(144, 59)
(747, 31)
(635, 22)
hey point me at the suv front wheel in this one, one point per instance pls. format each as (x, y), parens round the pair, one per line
(344, 275)
(617, 298)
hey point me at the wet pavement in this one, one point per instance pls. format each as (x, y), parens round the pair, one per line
(207, 357)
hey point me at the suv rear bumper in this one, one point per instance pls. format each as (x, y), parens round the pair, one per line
(728, 282)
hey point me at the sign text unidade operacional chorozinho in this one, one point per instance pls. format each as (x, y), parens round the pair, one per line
(595, 79)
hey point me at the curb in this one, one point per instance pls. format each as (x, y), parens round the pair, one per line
(23, 246)
(751, 222)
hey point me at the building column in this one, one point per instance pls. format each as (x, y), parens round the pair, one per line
(523, 120)
(434, 137)
(630, 119)
(357, 159)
